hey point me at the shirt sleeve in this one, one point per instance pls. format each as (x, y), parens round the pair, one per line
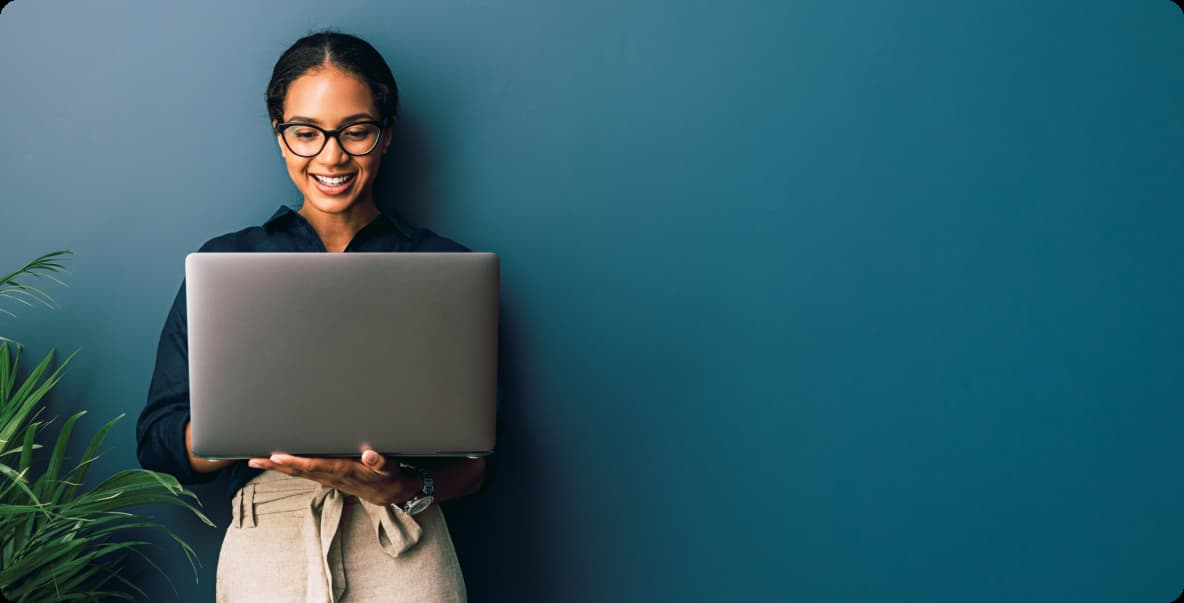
(160, 430)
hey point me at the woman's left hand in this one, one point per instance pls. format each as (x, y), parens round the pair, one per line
(373, 478)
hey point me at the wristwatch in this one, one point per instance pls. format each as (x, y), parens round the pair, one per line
(421, 501)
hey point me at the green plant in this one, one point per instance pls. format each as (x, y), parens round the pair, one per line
(57, 542)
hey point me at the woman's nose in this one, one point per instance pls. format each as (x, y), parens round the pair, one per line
(332, 153)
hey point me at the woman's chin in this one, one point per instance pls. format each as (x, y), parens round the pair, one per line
(334, 205)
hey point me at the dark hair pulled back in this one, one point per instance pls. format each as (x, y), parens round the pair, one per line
(348, 53)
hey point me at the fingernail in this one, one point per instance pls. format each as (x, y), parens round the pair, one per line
(275, 458)
(370, 457)
(254, 463)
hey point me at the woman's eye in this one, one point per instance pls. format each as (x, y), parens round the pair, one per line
(357, 133)
(301, 133)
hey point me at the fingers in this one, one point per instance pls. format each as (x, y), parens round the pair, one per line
(328, 472)
(294, 465)
(305, 465)
(314, 468)
(365, 477)
(374, 461)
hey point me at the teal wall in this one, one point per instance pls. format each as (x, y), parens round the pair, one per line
(809, 301)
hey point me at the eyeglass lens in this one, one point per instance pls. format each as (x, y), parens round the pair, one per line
(308, 141)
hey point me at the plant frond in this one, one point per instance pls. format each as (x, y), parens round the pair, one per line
(56, 543)
(41, 267)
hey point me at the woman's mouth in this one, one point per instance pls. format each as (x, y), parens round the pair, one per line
(334, 185)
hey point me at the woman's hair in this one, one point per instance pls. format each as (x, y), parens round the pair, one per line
(348, 53)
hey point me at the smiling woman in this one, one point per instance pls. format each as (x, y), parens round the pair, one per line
(333, 109)
(309, 529)
(334, 169)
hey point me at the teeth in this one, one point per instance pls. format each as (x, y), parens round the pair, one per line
(333, 181)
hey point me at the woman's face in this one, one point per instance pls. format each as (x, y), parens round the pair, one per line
(332, 99)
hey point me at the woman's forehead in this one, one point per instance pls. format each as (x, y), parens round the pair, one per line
(327, 95)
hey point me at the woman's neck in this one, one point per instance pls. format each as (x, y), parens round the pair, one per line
(336, 230)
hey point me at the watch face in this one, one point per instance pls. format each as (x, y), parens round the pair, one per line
(418, 505)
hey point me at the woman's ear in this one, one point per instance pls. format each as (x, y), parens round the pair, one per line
(388, 135)
(279, 138)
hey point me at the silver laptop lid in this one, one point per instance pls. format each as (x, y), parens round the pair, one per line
(320, 354)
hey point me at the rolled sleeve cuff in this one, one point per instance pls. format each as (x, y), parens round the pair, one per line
(165, 450)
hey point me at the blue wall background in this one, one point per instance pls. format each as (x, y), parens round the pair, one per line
(809, 301)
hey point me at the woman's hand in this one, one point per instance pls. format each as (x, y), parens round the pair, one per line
(373, 478)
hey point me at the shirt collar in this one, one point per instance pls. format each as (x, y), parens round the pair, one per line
(283, 212)
(385, 218)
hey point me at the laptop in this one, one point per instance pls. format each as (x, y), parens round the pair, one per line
(322, 354)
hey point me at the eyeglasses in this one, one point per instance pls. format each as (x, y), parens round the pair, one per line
(307, 140)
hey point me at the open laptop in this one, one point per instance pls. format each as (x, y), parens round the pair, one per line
(320, 354)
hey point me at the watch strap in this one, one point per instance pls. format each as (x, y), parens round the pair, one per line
(423, 499)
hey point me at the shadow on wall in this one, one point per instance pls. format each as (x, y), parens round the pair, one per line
(499, 533)
(403, 184)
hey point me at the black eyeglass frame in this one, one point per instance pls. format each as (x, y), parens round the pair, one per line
(327, 134)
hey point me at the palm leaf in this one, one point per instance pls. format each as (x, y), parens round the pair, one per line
(48, 571)
(36, 446)
(12, 286)
(39, 267)
(7, 374)
(18, 480)
(18, 406)
(48, 261)
(67, 487)
(16, 412)
(25, 529)
(49, 478)
(27, 449)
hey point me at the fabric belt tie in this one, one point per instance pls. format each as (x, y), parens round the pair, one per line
(395, 530)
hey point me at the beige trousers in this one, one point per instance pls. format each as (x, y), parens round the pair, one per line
(293, 540)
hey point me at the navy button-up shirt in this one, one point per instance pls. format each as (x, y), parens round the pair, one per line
(160, 431)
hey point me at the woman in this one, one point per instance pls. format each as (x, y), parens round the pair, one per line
(309, 529)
